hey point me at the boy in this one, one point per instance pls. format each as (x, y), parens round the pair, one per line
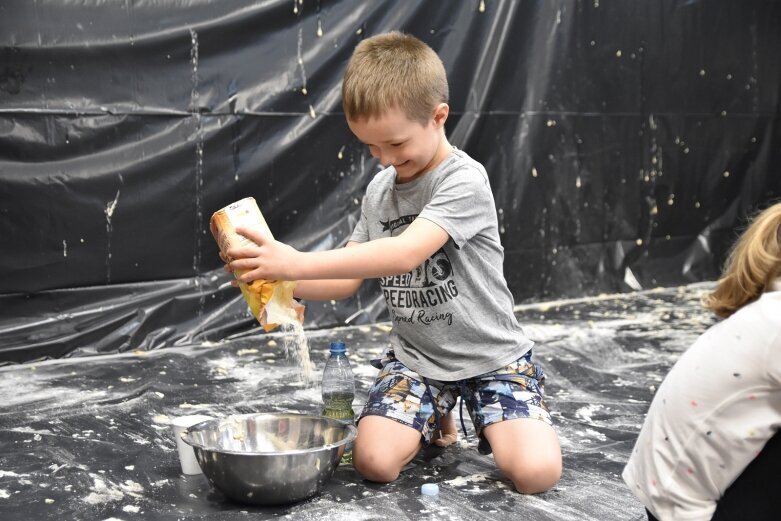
(428, 231)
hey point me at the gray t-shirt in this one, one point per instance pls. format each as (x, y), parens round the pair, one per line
(453, 315)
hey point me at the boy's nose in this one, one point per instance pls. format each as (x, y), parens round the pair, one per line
(385, 159)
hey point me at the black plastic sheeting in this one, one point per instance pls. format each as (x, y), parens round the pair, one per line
(625, 141)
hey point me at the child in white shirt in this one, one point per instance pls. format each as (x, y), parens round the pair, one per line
(720, 405)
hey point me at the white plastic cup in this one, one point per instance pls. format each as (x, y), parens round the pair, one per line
(186, 452)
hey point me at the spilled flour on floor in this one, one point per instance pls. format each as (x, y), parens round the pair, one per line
(104, 491)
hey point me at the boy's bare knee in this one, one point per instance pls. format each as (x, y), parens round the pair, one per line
(383, 447)
(534, 478)
(534, 466)
(376, 467)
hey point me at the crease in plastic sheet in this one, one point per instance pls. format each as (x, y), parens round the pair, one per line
(616, 142)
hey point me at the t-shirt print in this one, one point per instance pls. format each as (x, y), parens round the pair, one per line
(417, 297)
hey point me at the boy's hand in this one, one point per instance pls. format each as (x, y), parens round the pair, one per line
(267, 259)
(227, 267)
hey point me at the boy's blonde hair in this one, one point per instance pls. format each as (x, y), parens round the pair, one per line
(394, 70)
(752, 266)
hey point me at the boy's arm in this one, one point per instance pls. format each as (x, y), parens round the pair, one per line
(328, 289)
(273, 260)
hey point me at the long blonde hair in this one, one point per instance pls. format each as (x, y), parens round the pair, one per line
(752, 266)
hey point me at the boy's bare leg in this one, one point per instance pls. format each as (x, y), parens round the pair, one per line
(527, 451)
(382, 448)
(448, 434)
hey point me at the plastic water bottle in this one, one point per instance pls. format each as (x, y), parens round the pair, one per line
(338, 385)
(339, 391)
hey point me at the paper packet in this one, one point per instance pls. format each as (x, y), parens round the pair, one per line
(270, 301)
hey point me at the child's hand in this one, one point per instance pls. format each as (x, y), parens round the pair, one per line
(267, 259)
(226, 267)
(448, 432)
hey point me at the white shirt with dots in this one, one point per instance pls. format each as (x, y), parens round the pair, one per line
(712, 414)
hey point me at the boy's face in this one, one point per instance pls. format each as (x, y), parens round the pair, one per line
(409, 146)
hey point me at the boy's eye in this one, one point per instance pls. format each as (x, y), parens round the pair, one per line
(396, 144)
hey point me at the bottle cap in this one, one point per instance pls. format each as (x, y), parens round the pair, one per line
(338, 347)
(429, 489)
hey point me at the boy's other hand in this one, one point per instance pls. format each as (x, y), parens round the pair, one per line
(267, 259)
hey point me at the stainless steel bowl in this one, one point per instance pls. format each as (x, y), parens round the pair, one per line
(269, 459)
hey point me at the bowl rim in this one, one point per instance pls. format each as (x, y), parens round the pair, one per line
(352, 432)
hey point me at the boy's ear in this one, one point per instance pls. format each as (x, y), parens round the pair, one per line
(440, 114)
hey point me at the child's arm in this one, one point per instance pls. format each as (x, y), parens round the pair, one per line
(328, 289)
(324, 289)
(273, 260)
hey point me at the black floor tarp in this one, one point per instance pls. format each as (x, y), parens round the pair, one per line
(89, 437)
